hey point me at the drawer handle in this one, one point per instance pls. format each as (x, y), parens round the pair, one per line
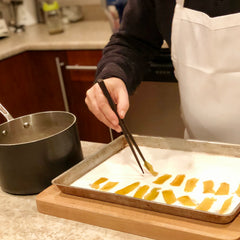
(81, 67)
(59, 65)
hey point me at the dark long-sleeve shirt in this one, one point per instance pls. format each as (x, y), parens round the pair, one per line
(145, 24)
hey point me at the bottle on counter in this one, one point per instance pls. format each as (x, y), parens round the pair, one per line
(53, 17)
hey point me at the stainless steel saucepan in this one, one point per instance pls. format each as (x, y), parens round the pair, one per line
(36, 148)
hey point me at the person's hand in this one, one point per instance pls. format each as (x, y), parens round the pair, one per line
(98, 104)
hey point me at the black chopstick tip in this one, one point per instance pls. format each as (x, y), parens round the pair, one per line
(125, 130)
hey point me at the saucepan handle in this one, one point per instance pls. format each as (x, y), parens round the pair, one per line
(5, 113)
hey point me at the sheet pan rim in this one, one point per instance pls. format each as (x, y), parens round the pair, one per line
(185, 212)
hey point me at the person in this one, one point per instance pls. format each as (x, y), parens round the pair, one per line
(204, 40)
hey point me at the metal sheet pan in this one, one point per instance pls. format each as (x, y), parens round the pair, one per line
(206, 160)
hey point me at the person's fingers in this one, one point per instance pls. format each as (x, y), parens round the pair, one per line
(98, 105)
(118, 91)
(108, 114)
(122, 102)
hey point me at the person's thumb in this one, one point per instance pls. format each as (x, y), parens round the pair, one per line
(123, 103)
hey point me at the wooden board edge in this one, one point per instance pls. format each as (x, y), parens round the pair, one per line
(52, 202)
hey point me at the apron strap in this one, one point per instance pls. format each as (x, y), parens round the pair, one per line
(180, 2)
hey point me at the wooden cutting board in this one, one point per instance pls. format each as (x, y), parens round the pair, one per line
(132, 220)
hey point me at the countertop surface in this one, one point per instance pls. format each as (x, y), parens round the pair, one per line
(20, 219)
(89, 34)
(81, 35)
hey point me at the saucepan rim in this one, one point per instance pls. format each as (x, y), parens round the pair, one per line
(43, 138)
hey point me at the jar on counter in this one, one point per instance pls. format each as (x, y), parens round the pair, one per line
(53, 17)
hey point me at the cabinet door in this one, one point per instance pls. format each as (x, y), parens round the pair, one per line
(77, 83)
(14, 93)
(29, 83)
(45, 80)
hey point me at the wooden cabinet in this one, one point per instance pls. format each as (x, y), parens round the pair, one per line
(79, 75)
(29, 83)
(45, 80)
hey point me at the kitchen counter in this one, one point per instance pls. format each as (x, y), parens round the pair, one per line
(89, 34)
(20, 219)
(80, 35)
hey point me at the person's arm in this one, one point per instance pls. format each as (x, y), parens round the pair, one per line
(98, 104)
(125, 61)
(127, 54)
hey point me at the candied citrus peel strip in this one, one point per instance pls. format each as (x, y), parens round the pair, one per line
(226, 205)
(108, 186)
(97, 183)
(178, 180)
(169, 196)
(190, 184)
(223, 189)
(186, 201)
(162, 179)
(150, 168)
(128, 188)
(153, 194)
(141, 191)
(206, 204)
(238, 190)
(208, 186)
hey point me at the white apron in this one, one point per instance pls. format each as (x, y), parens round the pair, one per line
(206, 58)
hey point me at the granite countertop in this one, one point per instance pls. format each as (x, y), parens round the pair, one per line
(81, 35)
(92, 34)
(20, 219)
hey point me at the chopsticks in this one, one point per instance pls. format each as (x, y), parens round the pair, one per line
(126, 132)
